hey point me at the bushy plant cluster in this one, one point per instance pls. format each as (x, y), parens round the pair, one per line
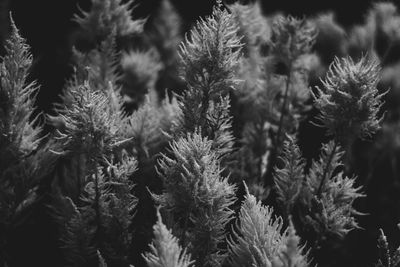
(175, 150)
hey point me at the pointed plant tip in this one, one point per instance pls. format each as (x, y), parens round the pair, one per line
(246, 188)
(159, 218)
(12, 22)
(14, 28)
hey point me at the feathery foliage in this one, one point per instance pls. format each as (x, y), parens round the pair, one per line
(197, 197)
(325, 194)
(166, 37)
(208, 57)
(252, 25)
(350, 101)
(292, 254)
(99, 65)
(386, 257)
(260, 240)
(209, 54)
(24, 161)
(292, 38)
(107, 16)
(242, 83)
(102, 222)
(289, 180)
(19, 135)
(165, 249)
(91, 125)
(333, 197)
(140, 73)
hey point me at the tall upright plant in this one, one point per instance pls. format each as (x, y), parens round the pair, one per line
(196, 196)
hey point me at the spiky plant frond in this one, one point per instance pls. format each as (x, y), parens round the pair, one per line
(99, 65)
(140, 73)
(90, 124)
(350, 101)
(292, 38)
(19, 135)
(107, 16)
(289, 180)
(209, 54)
(333, 194)
(292, 255)
(258, 236)
(165, 250)
(253, 26)
(387, 258)
(197, 197)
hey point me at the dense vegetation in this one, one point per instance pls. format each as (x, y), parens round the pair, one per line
(250, 140)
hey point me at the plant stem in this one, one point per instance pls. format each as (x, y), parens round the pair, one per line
(319, 192)
(97, 205)
(283, 108)
(274, 152)
(387, 51)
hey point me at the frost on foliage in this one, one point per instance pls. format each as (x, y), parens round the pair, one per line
(332, 198)
(108, 16)
(289, 180)
(260, 240)
(386, 257)
(18, 134)
(165, 250)
(349, 101)
(197, 197)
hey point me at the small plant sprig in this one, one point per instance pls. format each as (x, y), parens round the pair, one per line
(290, 180)
(165, 249)
(386, 257)
(260, 240)
(324, 212)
